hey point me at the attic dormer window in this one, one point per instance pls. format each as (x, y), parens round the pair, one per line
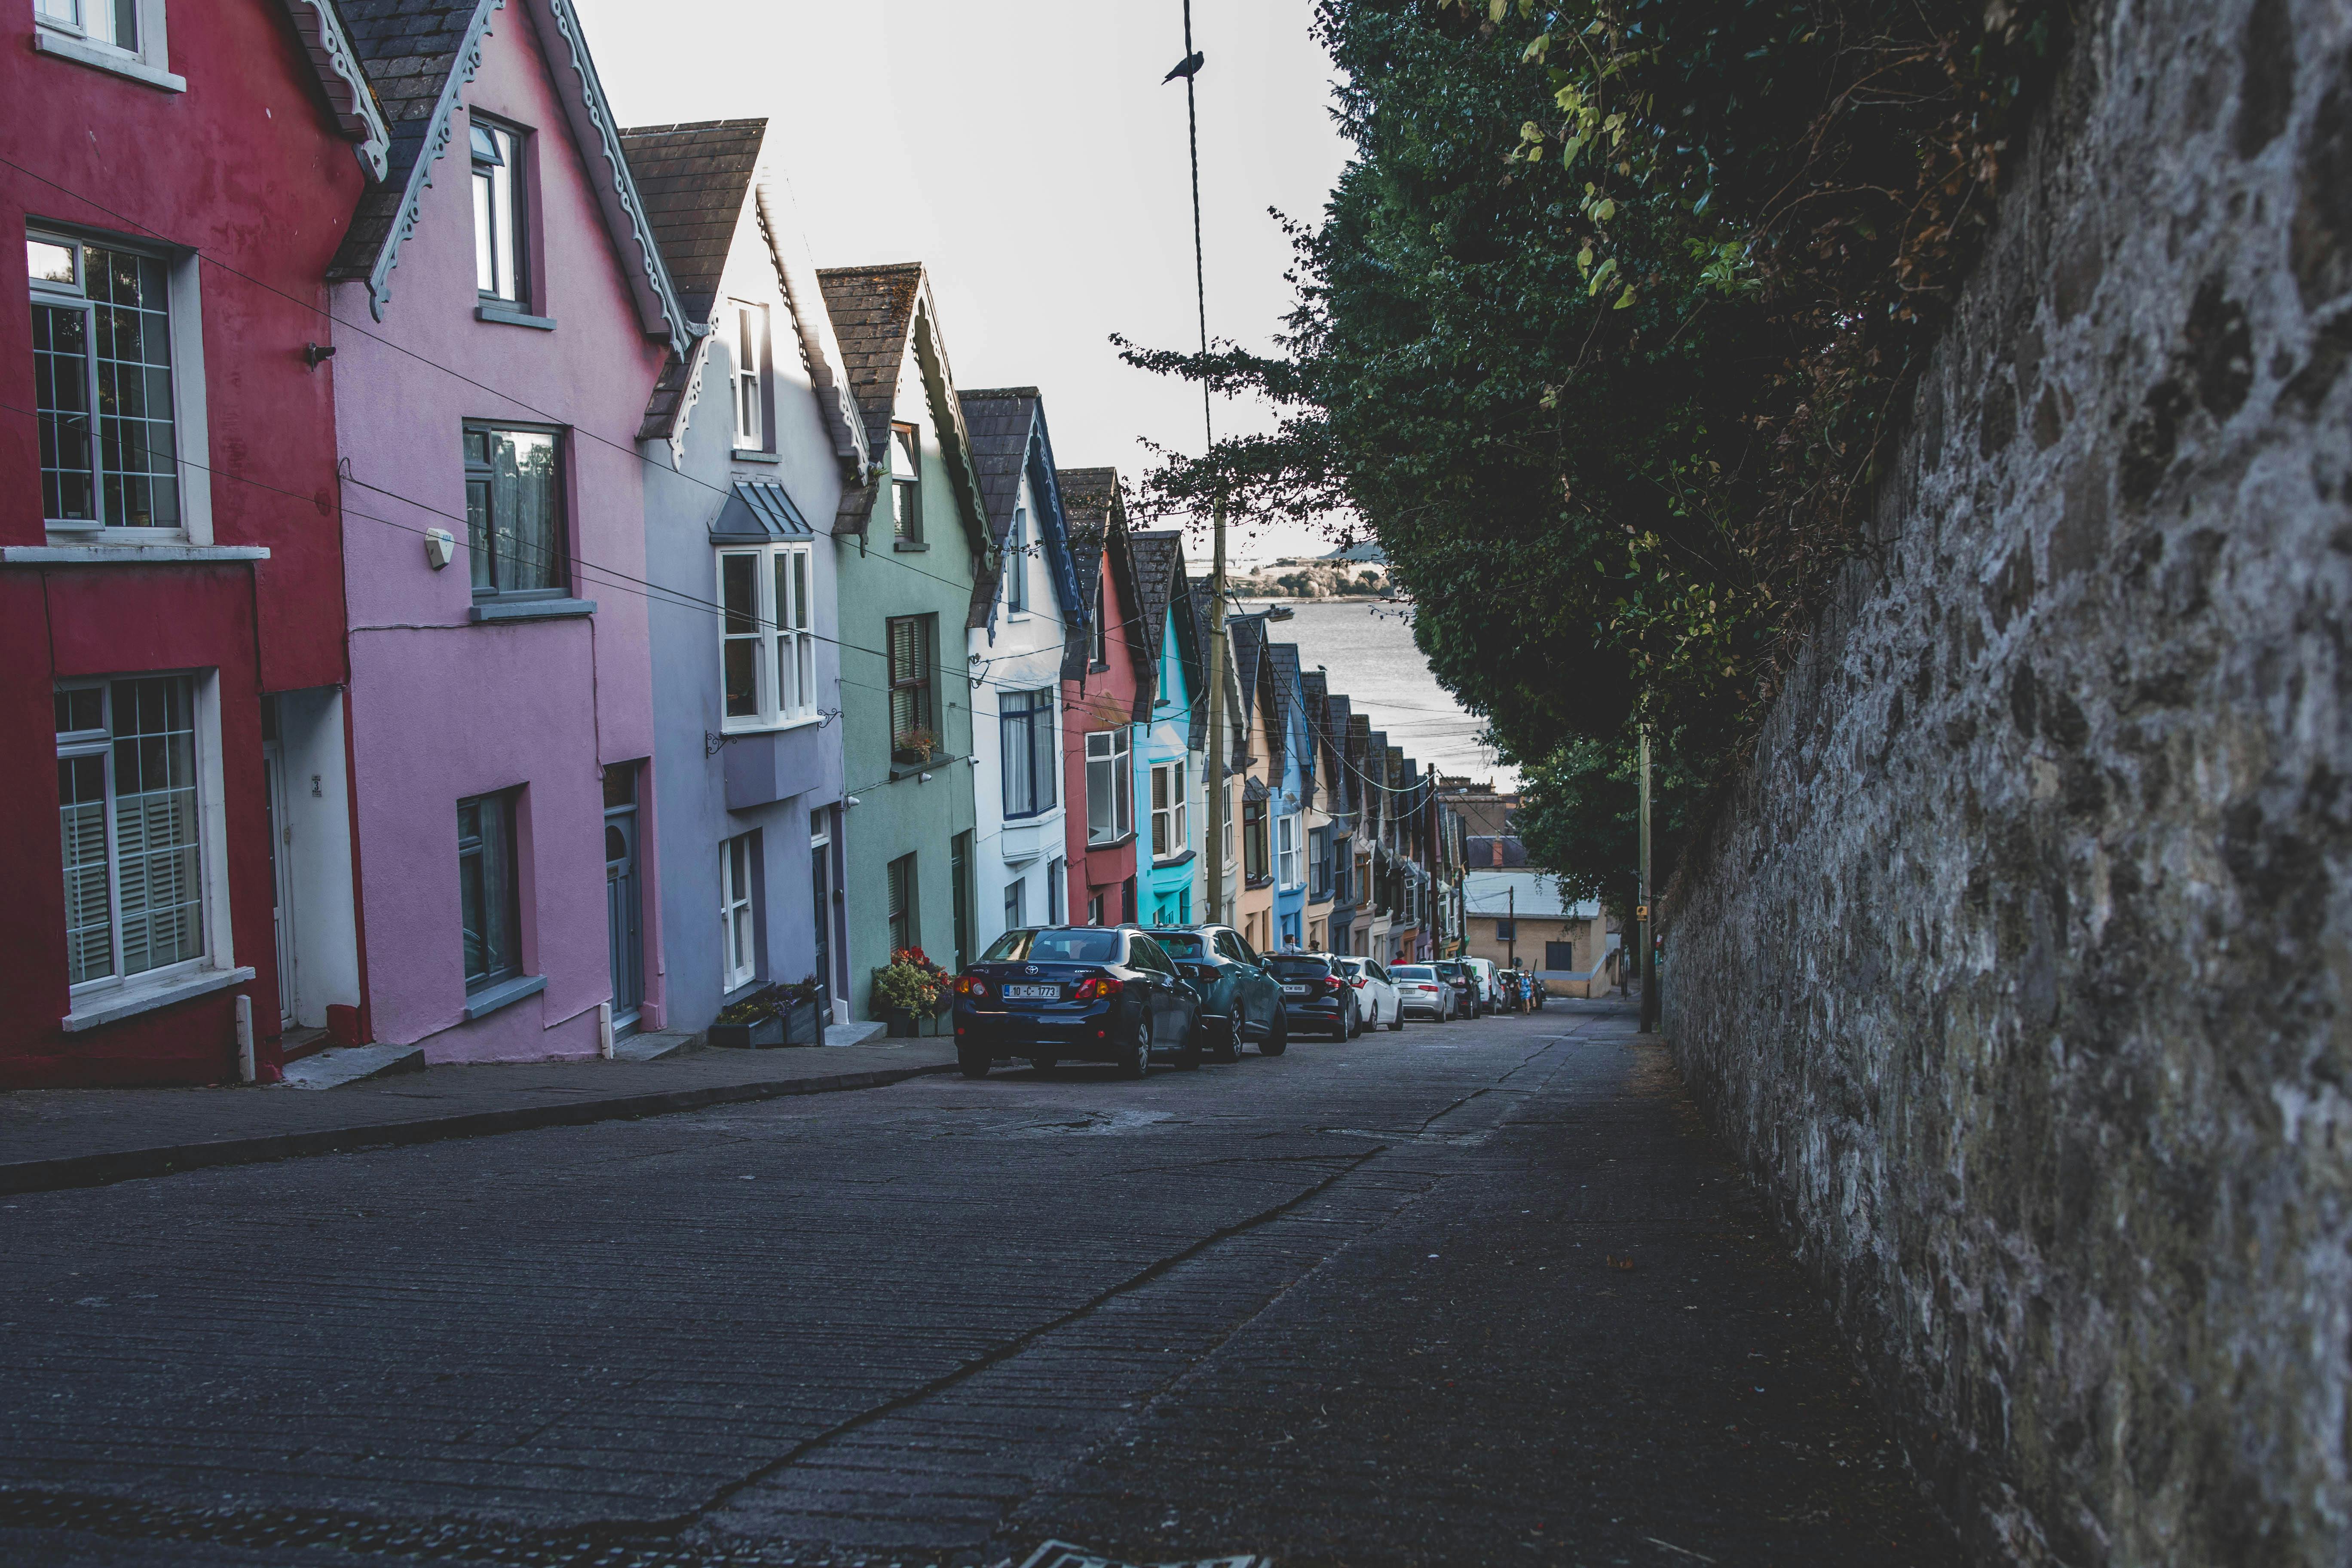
(1097, 637)
(906, 484)
(498, 211)
(1016, 562)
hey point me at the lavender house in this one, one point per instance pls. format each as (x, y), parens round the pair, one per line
(494, 516)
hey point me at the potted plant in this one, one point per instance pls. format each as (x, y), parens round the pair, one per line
(912, 748)
(908, 988)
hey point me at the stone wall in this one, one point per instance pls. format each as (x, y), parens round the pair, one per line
(2017, 968)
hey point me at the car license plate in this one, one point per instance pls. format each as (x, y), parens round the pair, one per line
(1294, 991)
(1033, 992)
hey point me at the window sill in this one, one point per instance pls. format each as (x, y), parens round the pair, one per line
(532, 610)
(916, 770)
(748, 454)
(1111, 843)
(112, 1006)
(778, 727)
(908, 544)
(1015, 616)
(97, 56)
(510, 316)
(127, 554)
(506, 993)
(1183, 859)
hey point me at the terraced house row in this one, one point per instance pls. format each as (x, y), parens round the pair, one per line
(468, 578)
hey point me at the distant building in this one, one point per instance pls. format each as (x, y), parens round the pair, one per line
(1515, 915)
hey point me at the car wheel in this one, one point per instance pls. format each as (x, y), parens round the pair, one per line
(1397, 1022)
(972, 1061)
(1136, 1063)
(1277, 1036)
(1226, 1047)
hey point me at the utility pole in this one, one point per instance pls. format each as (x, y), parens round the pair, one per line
(1511, 953)
(1649, 959)
(1219, 807)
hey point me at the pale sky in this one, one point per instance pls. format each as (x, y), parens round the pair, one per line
(1026, 152)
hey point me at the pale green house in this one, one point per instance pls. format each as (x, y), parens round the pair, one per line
(907, 548)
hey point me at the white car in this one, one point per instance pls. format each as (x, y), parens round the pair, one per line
(1375, 997)
(1421, 989)
(1490, 987)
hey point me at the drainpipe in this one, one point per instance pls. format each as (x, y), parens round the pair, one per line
(605, 1030)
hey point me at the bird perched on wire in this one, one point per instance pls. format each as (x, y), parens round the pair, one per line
(1188, 67)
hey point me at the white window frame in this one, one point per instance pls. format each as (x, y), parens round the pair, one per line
(64, 28)
(1016, 563)
(1058, 887)
(752, 349)
(785, 665)
(1113, 749)
(501, 212)
(190, 428)
(110, 996)
(739, 925)
(906, 489)
(1286, 840)
(1170, 784)
(1016, 903)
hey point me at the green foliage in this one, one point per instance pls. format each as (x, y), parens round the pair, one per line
(1604, 331)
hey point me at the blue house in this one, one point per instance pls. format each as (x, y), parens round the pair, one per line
(1290, 779)
(1167, 749)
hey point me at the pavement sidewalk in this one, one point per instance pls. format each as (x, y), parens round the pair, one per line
(51, 1139)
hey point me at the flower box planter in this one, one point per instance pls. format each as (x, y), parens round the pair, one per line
(909, 757)
(803, 1026)
(902, 1025)
(758, 1035)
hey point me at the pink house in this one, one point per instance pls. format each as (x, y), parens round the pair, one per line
(494, 539)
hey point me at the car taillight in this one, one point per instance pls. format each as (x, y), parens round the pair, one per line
(1094, 986)
(1333, 981)
(971, 985)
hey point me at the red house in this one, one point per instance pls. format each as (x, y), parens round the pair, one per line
(1106, 689)
(172, 773)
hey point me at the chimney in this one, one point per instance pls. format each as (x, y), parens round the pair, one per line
(1497, 842)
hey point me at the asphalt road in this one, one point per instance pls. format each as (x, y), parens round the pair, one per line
(1361, 1304)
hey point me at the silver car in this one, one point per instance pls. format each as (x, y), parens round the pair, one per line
(1422, 990)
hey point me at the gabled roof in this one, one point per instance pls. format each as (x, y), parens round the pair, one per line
(1009, 441)
(1198, 596)
(1311, 719)
(1343, 789)
(1246, 636)
(418, 55)
(878, 313)
(356, 113)
(695, 180)
(1096, 508)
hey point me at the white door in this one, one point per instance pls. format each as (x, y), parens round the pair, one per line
(281, 881)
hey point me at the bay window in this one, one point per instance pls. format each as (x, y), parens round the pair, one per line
(131, 825)
(1170, 826)
(767, 643)
(1110, 787)
(514, 513)
(1030, 754)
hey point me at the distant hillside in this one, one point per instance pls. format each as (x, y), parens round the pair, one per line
(1368, 550)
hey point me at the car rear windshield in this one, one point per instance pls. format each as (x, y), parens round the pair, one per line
(1412, 971)
(1179, 944)
(1082, 945)
(1295, 968)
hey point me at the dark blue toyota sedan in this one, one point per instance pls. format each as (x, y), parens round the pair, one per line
(1082, 993)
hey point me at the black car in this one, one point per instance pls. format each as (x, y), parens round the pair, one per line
(1086, 994)
(1240, 998)
(1316, 995)
(1467, 1002)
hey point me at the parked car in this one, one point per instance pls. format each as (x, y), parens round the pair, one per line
(1467, 1002)
(1490, 982)
(1511, 985)
(1420, 989)
(1316, 995)
(1240, 998)
(1375, 997)
(1088, 994)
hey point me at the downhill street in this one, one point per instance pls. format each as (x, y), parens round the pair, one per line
(1353, 1305)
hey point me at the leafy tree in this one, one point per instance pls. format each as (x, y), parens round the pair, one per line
(1603, 333)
